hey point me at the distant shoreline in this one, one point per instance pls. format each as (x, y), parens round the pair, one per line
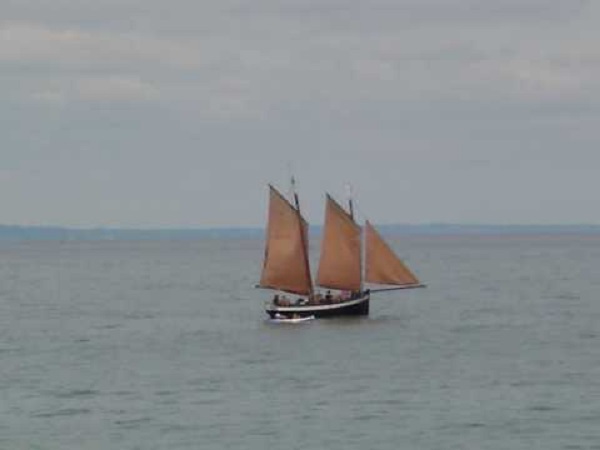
(16, 232)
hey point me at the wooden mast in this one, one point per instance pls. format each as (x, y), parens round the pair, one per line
(350, 201)
(351, 211)
(303, 238)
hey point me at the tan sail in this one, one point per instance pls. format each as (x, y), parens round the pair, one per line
(339, 266)
(285, 265)
(382, 266)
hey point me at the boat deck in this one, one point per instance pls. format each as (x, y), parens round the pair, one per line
(358, 305)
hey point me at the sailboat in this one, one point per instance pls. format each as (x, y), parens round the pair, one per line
(344, 265)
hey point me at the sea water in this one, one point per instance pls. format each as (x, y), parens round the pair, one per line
(164, 345)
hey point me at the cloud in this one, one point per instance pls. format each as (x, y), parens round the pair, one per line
(71, 48)
(114, 88)
(402, 96)
(229, 66)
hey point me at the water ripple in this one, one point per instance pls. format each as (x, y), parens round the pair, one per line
(75, 393)
(62, 412)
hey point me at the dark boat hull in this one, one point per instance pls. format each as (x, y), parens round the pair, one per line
(354, 307)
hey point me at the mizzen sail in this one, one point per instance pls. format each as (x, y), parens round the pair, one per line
(340, 262)
(382, 266)
(285, 265)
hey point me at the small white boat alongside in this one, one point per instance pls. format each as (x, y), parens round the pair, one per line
(280, 318)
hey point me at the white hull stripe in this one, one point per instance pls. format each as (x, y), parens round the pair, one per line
(317, 307)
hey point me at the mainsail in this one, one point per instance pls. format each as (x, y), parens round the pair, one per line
(382, 266)
(285, 265)
(340, 262)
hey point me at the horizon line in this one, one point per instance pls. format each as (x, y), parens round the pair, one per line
(262, 227)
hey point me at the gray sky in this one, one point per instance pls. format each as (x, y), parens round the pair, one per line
(152, 113)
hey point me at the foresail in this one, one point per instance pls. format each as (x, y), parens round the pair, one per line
(339, 264)
(382, 266)
(285, 265)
